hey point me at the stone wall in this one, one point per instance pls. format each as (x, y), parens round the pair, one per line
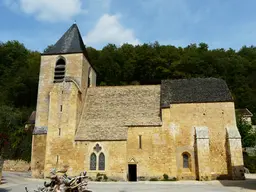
(163, 147)
(93, 78)
(234, 151)
(182, 120)
(17, 165)
(202, 150)
(1, 168)
(62, 123)
(46, 78)
(65, 109)
(157, 153)
(59, 106)
(38, 155)
(76, 155)
(115, 158)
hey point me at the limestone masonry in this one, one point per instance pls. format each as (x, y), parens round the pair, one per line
(184, 128)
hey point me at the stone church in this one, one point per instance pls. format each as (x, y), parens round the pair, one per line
(184, 128)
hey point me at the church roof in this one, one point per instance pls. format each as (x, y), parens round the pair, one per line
(194, 90)
(244, 112)
(70, 42)
(32, 118)
(109, 110)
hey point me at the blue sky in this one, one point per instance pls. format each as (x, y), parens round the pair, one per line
(219, 23)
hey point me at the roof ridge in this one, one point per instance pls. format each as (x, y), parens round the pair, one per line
(193, 78)
(118, 86)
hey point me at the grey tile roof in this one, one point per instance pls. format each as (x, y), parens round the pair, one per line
(109, 110)
(195, 90)
(40, 130)
(32, 118)
(244, 112)
(70, 42)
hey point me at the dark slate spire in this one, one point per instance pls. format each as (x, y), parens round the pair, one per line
(70, 42)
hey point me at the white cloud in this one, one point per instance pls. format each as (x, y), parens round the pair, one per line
(49, 10)
(11, 4)
(109, 30)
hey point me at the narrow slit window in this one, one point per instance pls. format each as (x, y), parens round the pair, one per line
(60, 108)
(59, 131)
(140, 142)
(89, 78)
(57, 159)
(89, 82)
(185, 160)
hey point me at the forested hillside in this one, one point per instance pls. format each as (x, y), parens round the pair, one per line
(19, 72)
(128, 64)
(149, 63)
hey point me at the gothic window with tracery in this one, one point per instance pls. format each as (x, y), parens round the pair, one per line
(93, 161)
(97, 148)
(101, 161)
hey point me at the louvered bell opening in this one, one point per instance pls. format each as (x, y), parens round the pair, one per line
(59, 73)
(60, 66)
(59, 76)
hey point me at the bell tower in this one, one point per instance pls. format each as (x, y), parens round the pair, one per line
(65, 76)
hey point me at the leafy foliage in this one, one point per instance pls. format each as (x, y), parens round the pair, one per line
(250, 163)
(149, 63)
(246, 132)
(19, 72)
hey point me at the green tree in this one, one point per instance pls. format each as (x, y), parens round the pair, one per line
(247, 134)
(10, 121)
(48, 48)
(19, 73)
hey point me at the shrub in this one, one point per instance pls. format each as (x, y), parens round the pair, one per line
(173, 179)
(166, 177)
(153, 179)
(105, 177)
(142, 178)
(101, 177)
(114, 180)
(250, 163)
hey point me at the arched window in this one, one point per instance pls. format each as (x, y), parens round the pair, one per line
(93, 161)
(185, 160)
(101, 161)
(60, 69)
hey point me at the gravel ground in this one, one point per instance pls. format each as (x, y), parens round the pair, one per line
(16, 182)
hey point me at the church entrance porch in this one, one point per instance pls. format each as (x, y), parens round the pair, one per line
(132, 172)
